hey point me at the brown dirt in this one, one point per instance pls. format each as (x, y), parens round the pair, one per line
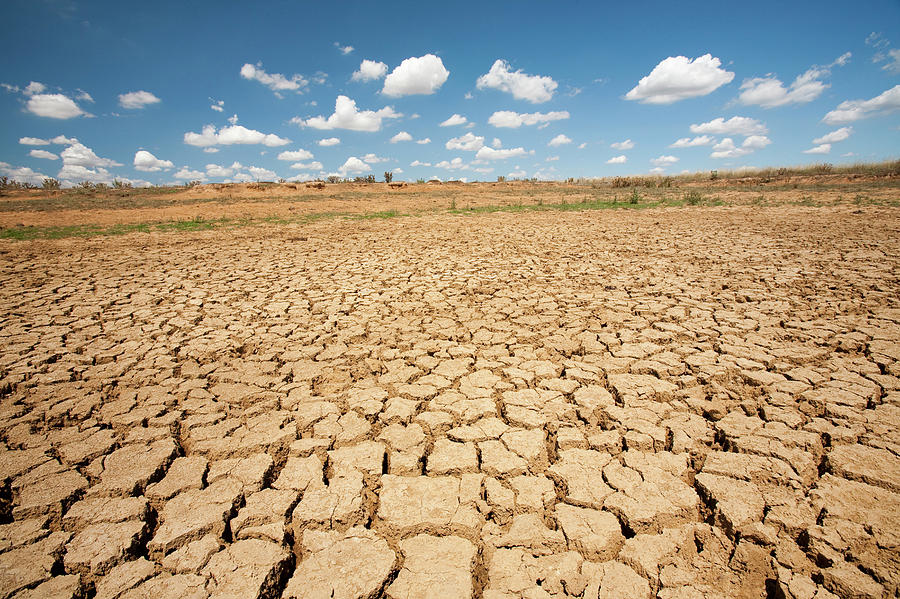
(671, 402)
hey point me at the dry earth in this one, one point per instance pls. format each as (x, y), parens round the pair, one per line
(669, 403)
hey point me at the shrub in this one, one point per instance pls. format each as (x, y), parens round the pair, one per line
(50, 184)
(635, 196)
(693, 198)
(388, 176)
(501, 179)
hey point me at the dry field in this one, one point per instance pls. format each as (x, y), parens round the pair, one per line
(671, 402)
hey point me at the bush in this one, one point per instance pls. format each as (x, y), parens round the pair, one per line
(635, 196)
(501, 179)
(50, 184)
(693, 198)
(388, 176)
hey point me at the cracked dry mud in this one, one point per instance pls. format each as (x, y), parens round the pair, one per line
(673, 403)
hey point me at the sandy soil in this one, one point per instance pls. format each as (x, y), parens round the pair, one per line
(698, 402)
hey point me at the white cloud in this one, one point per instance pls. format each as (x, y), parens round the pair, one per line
(622, 145)
(54, 106)
(218, 172)
(300, 154)
(487, 153)
(419, 163)
(551, 158)
(422, 75)
(374, 159)
(422, 142)
(582, 146)
(354, 165)
(835, 136)
(138, 99)
(678, 78)
(770, 92)
(841, 60)
(22, 174)
(348, 116)
(329, 141)
(84, 96)
(618, 159)
(687, 142)
(70, 174)
(756, 142)
(344, 49)
(274, 81)
(533, 88)
(81, 155)
(737, 125)
(186, 174)
(210, 150)
(233, 119)
(496, 143)
(453, 165)
(218, 106)
(559, 140)
(369, 70)
(516, 174)
(43, 154)
(658, 169)
(727, 149)
(466, 143)
(300, 178)
(33, 141)
(34, 87)
(664, 160)
(147, 162)
(235, 134)
(456, 119)
(402, 136)
(468, 96)
(854, 110)
(893, 64)
(63, 140)
(307, 166)
(820, 149)
(513, 120)
(262, 174)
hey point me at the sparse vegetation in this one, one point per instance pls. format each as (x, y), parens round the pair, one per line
(388, 176)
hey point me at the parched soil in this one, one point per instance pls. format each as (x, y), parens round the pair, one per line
(673, 403)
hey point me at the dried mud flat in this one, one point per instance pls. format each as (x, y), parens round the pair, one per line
(669, 403)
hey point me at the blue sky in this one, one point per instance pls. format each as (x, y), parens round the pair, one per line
(219, 91)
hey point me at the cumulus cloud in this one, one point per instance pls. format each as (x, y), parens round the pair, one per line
(54, 106)
(43, 154)
(186, 174)
(618, 159)
(274, 81)
(402, 136)
(820, 149)
(34, 87)
(622, 145)
(487, 153)
(147, 162)
(664, 160)
(737, 125)
(855, 110)
(419, 163)
(679, 78)
(344, 49)
(422, 142)
(514, 120)
(687, 142)
(138, 99)
(218, 106)
(467, 143)
(727, 148)
(423, 75)
(22, 174)
(300, 154)
(218, 172)
(453, 165)
(81, 155)
(262, 174)
(369, 70)
(374, 159)
(307, 166)
(835, 136)
(770, 92)
(234, 134)
(559, 140)
(63, 140)
(533, 88)
(456, 119)
(329, 141)
(354, 165)
(348, 116)
(33, 141)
